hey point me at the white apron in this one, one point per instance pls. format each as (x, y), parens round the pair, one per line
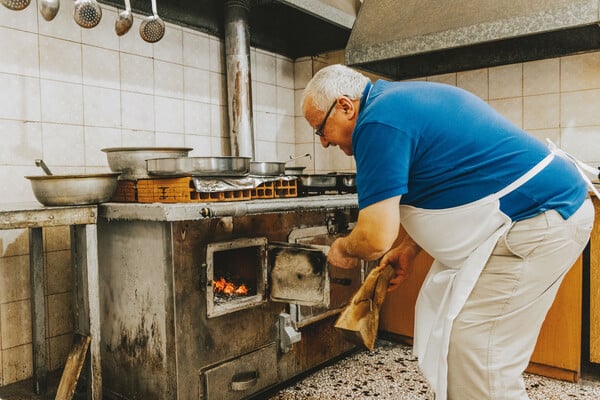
(460, 239)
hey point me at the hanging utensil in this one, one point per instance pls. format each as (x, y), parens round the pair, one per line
(15, 5)
(49, 9)
(42, 165)
(124, 20)
(152, 28)
(87, 13)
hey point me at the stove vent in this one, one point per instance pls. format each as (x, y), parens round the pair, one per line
(412, 38)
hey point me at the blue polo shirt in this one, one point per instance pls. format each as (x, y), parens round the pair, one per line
(440, 146)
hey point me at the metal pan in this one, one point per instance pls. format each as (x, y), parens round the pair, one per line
(199, 166)
(267, 168)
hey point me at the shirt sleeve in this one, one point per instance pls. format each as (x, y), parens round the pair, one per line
(383, 157)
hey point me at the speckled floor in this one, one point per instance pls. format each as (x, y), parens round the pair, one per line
(390, 372)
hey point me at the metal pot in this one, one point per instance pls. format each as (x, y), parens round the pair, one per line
(346, 182)
(267, 168)
(294, 170)
(131, 161)
(68, 190)
(327, 181)
(199, 166)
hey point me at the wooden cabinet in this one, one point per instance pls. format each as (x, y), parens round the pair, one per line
(595, 287)
(558, 350)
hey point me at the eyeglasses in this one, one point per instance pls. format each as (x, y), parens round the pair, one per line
(319, 131)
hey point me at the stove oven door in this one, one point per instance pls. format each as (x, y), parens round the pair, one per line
(300, 276)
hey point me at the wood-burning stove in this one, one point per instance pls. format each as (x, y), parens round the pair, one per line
(166, 331)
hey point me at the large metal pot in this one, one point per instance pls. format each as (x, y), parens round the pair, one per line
(68, 190)
(199, 166)
(131, 161)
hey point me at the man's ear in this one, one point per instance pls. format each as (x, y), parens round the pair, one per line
(347, 106)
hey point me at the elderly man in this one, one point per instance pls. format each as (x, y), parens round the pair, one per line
(503, 216)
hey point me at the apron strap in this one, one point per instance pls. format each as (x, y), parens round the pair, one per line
(578, 164)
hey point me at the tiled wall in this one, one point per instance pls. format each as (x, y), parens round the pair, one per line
(67, 92)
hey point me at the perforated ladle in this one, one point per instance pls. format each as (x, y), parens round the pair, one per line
(87, 13)
(15, 5)
(152, 28)
(42, 165)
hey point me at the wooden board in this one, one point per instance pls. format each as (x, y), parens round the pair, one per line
(73, 366)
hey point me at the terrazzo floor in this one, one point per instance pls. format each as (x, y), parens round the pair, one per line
(390, 372)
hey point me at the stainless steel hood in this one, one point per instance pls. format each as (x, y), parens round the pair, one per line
(410, 38)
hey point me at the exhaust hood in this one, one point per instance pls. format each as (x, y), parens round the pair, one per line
(413, 38)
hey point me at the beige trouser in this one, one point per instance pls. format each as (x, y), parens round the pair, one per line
(494, 335)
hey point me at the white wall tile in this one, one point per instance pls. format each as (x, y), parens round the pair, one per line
(63, 145)
(582, 143)
(303, 71)
(285, 129)
(137, 73)
(62, 102)
(448, 79)
(218, 88)
(101, 67)
(265, 68)
(168, 139)
(580, 108)
(138, 138)
(168, 79)
(285, 72)
(19, 52)
(265, 127)
(303, 131)
(60, 60)
(196, 84)
(475, 81)
(21, 142)
(266, 97)
(285, 100)
(506, 81)
(14, 187)
(168, 114)
(196, 50)
(217, 56)
(197, 118)
(101, 107)
(132, 43)
(541, 77)
(19, 98)
(541, 112)
(580, 72)
(170, 47)
(137, 111)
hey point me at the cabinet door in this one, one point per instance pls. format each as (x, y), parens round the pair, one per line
(398, 310)
(557, 353)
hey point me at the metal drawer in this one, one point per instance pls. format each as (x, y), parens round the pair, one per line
(243, 376)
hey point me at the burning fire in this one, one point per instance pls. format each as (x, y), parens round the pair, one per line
(222, 286)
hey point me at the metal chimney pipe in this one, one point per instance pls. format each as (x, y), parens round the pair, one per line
(239, 93)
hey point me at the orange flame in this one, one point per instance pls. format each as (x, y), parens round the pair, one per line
(229, 288)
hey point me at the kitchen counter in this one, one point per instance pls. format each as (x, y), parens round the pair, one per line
(170, 212)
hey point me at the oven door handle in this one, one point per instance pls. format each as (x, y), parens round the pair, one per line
(244, 381)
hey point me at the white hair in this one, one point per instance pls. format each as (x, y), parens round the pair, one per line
(332, 82)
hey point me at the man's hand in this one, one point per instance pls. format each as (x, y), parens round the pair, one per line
(401, 258)
(339, 257)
